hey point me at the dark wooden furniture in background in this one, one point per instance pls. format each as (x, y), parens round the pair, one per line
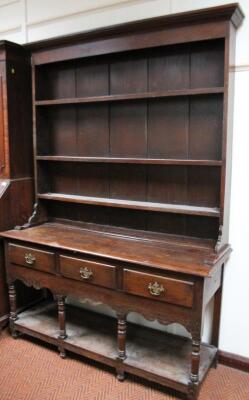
(132, 164)
(16, 165)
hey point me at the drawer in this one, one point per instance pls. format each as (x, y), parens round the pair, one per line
(159, 287)
(30, 257)
(88, 271)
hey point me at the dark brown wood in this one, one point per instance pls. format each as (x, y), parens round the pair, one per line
(119, 97)
(139, 40)
(94, 337)
(121, 336)
(132, 165)
(229, 11)
(233, 360)
(195, 365)
(88, 271)
(217, 310)
(62, 316)
(45, 51)
(13, 309)
(137, 205)
(4, 304)
(15, 72)
(165, 313)
(2, 142)
(126, 160)
(30, 257)
(121, 344)
(158, 287)
(16, 183)
(189, 257)
(62, 323)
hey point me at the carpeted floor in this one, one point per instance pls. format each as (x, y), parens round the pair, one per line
(31, 371)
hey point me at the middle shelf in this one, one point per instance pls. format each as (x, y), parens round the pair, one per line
(130, 160)
(137, 205)
(132, 96)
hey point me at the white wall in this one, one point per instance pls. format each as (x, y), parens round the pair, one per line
(29, 20)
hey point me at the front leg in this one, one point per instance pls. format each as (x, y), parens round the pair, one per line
(195, 364)
(121, 345)
(13, 313)
(62, 323)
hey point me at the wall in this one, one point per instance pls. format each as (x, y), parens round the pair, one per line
(30, 20)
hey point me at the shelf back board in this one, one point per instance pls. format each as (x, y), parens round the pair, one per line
(129, 123)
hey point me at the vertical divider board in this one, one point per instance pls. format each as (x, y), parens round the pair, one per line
(177, 128)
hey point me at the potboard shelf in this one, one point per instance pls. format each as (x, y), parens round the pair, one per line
(94, 335)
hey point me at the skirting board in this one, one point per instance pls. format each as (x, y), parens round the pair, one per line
(234, 361)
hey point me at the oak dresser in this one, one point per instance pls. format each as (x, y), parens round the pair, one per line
(132, 154)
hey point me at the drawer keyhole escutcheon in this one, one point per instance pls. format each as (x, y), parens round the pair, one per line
(29, 258)
(86, 273)
(155, 289)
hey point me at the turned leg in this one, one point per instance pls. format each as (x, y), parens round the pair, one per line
(13, 314)
(62, 323)
(121, 344)
(195, 363)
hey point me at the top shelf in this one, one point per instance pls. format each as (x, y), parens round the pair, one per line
(132, 96)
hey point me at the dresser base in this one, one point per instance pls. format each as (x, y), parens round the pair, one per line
(161, 357)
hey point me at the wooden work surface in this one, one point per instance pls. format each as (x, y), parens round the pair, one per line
(186, 255)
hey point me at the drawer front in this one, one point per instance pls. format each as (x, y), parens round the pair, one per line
(88, 271)
(159, 288)
(30, 257)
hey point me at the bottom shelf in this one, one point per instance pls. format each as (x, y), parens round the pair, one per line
(158, 356)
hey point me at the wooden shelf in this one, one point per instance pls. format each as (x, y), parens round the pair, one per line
(132, 96)
(132, 204)
(95, 336)
(128, 160)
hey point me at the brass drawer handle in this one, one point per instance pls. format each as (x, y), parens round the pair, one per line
(155, 289)
(86, 273)
(29, 258)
